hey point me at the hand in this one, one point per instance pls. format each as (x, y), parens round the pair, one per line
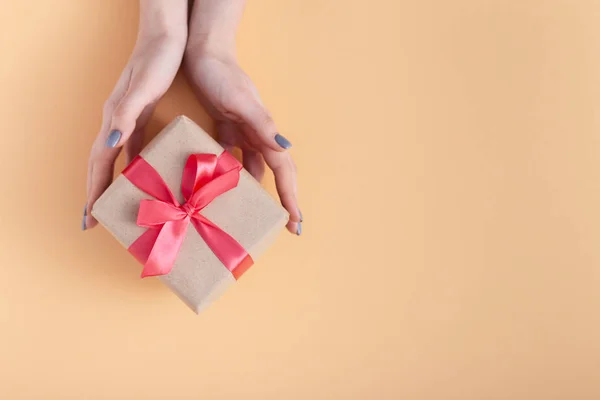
(242, 120)
(149, 73)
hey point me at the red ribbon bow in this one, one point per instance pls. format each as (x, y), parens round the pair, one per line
(205, 176)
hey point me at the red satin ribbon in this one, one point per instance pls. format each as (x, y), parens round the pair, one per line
(205, 176)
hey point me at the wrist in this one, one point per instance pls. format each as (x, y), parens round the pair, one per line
(213, 26)
(155, 38)
(164, 20)
(211, 46)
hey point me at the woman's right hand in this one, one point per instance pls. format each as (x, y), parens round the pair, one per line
(146, 78)
(231, 98)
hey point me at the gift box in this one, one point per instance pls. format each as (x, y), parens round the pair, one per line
(190, 213)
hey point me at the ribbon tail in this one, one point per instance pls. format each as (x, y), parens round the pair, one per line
(142, 246)
(235, 258)
(157, 248)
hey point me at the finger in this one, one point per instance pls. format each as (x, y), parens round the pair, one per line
(134, 145)
(102, 170)
(254, 163)
(99, 144)
(284, 170)
(228, 136)
(258, 118)
(249, 138)
(127, 112)
(101, 166)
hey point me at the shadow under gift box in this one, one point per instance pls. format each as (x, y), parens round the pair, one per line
(247, 213)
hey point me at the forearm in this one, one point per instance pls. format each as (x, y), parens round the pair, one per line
(213, 25)
(163, 18)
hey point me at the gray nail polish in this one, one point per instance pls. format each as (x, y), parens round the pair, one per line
(113, 138)
(299, 229)
(301, 218)
(282, 141)
(83, 225)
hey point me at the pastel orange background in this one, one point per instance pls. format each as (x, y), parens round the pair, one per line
(450, 183)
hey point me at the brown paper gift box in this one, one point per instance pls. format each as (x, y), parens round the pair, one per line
(247, 213)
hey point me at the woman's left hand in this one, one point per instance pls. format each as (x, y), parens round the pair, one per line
(243, 121)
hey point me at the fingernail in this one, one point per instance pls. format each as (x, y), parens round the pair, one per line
(282, 141)
(113, 138)
(301, 218)
(83, 226)
(299, 229)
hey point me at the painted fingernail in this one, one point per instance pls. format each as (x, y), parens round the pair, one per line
(83, 226)
(282, 141)
(113, 138)
(299, 229)
(301, 218)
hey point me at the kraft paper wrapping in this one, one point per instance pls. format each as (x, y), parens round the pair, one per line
(247, 213)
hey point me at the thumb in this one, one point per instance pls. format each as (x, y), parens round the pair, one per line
(258, 118)
(125, 115)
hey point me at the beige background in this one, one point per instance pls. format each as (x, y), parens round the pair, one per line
(448, 162)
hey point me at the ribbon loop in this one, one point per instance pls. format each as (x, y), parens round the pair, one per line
(219, 185)
(198, 171)
(205, 177)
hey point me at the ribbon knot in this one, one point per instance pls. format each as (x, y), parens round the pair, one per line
(205, 177)
(189, 209)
